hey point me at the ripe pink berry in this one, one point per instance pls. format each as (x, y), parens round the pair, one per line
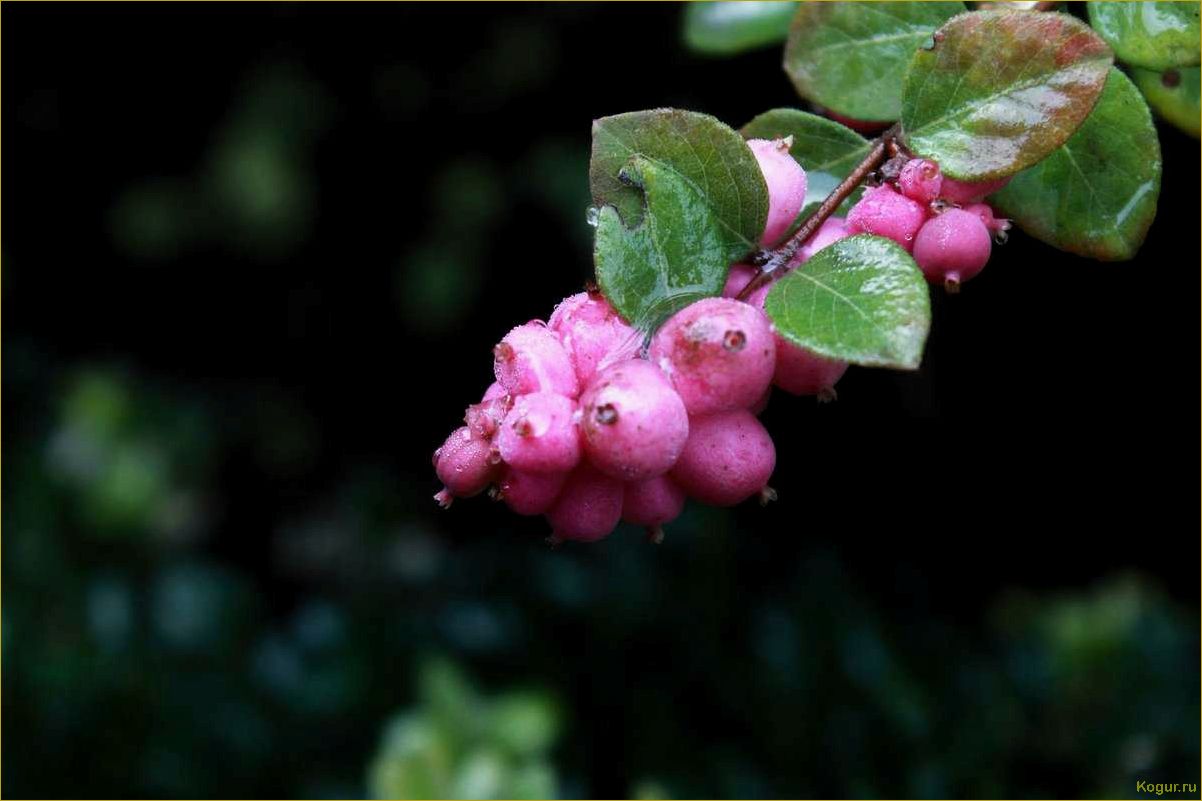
(494, 391)
(786, 185)
(540, 433)
(529, 493)
(884, 212)
(729, 457)
(995, 225)
(719, 353)
(484, 417)
(588, 506)
(831, 231)
(739, 276)
(592, 333)
(634, 423)
(952, 247)
(652, 503)
(803, 372)
(531, 359)
(964, 192)
(465, 465)
(920, 180)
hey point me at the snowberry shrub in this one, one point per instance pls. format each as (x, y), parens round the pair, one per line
(720, 276)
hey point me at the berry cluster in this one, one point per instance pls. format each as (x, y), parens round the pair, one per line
(587, 427)
(941, 221)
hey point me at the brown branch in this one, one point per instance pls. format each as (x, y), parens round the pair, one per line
(776, 263)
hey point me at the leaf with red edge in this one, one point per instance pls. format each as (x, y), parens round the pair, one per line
(996, 91)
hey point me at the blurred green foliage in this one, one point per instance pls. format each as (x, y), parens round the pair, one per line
(457, 744)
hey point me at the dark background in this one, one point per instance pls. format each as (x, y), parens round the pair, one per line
(255, 258)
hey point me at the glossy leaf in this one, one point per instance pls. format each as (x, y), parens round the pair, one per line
(850, 57)
(724, 27)
(826, 150)
(1173, 94)
(1096, 194)
(999, 90)
(705, 154)
(1151, 35)
(861, 299)
(674, 256)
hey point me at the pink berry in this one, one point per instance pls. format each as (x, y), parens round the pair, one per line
(592, 333)
(920, 180)
(465, 464)
(529, 493)
(803, 372)
(652, 503)
(995, 225)
(831, 231)
(719, 353)
(884, 212)
(531, 359)
(729, 457)
(588, 506)
(963, 192)
(952, 247)
(484, 417)
(634, 423)
(540, 433)
(786, 185)
(739, 276)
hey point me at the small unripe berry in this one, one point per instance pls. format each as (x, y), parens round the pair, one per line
(920, 180)
(465, 464)
(729, 457)
(529, 493)
(997, 226)
(831, 231)
(719, 353)
(540, 433)
(860, 126)
(652, 503)
(885, 212)
(786, 185)
(964, 192)
(803, 372)
(588, 506)
(592, 333)
(531, 359)
(952, 247)
(634, 423)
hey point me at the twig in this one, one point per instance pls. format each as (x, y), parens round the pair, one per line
(776, 263)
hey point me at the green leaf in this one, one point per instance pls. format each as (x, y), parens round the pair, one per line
(861, 299)
(850, 57)
(673, 257)
(1152, 35)
(826, 150)
(709, 156)
(1173, 94)
(724, 28)
(1096, 194)
(999, 90)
